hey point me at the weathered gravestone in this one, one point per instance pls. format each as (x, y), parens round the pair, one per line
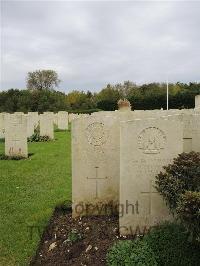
(16, 135)
(197, 101)
(35, 118)
(55, 119)
(30, 126)
(32, 122)
(191, 130)
(2, 125)
(72, 117)
(62, 118)
(145, 147)
(95, 165)
(196, 132)
(46, 125)
(18, 113)
(96, 162)
(83, 115)
(187, 120)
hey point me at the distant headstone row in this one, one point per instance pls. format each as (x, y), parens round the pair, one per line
(116, 156)
(17, 127)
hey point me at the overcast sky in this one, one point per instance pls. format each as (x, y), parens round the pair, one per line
(91, 44)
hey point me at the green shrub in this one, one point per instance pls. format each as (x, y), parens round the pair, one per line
(177, 179)
(182, 175)
(165, 245)
(188, 210)
(170, 244)
(131, 253)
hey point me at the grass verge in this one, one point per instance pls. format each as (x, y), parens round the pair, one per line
(29, 191)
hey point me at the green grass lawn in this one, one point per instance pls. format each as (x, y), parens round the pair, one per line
(30, 189)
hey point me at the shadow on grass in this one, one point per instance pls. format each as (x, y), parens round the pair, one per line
(4, 157)
(64, 206)
(61, 130)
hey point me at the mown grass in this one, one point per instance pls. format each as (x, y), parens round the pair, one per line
(29, 191)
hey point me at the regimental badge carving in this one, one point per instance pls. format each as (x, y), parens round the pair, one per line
(151, 140)
(96, 134)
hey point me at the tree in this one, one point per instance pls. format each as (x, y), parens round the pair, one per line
(40, 97)
(42, 80)
(107, 98)
(80, 100)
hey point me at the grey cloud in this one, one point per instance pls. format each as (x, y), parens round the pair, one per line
(92, 44)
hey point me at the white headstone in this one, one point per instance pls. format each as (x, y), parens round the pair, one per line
(46, 125)
(196, 133)
(16, 135)
(96, 160)
(2, 125)
(55, 119)
(71, 117)
(146, 146)
(197, 101)
(62, 117)
(187, 120)
(31, 124)
(35, 118)
(95, 164)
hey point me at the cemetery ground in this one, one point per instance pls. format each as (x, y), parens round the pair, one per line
(37, 227)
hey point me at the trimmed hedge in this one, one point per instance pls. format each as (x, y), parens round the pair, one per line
(170, 244)
(81, 111)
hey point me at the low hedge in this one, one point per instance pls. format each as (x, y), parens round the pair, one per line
(89, 111)
(172, 247)
(166, 244)
(129, 252)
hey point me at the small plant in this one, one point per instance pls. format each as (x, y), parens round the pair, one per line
(74, 236)
(36, 136)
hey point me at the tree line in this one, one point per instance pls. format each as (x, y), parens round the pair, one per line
(41, 95)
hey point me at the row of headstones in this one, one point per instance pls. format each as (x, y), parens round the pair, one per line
(60, 119)
(17, 127)
(116, 156)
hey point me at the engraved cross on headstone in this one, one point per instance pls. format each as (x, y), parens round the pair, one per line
(149, 194)
(97, 178)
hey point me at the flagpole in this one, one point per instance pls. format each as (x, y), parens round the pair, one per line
(167, 95)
